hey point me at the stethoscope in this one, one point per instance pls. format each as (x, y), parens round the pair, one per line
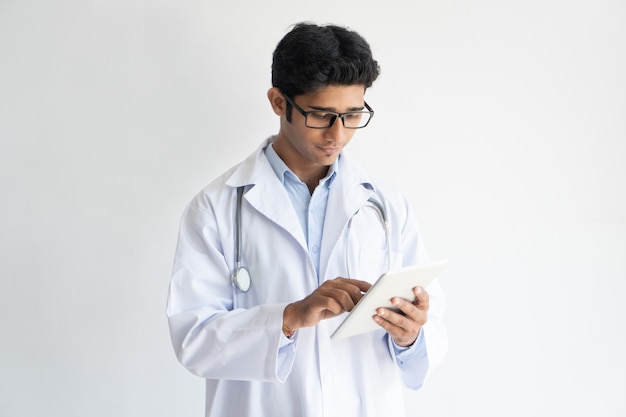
(378, 207)
(241, 277)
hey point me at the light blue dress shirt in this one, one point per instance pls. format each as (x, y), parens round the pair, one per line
(311, 211)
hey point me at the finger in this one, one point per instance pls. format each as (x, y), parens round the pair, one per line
(402, 329)
(404, 323)
(325, 305)
(363, 286)
(407, 308)
(347, 297)
(353, 288)
(422, 299)
(401, 336)
(333, 307)
(339, 298)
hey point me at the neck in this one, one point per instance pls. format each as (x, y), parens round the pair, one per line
(312, 179)
(307, 171)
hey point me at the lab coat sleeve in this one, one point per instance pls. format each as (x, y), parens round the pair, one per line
(406, 355)
(211, 337)
(416, 362)
(432, 344)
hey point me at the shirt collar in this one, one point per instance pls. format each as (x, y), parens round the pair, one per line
(281, 169)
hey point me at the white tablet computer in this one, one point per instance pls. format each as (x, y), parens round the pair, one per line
(398, 283)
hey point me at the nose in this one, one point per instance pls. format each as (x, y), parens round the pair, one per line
(337, 131)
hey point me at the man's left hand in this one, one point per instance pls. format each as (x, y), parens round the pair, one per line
(404, 328)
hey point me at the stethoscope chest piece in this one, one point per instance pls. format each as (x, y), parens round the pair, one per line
(241, 279)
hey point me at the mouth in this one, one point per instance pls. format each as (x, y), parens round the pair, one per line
(329, 150)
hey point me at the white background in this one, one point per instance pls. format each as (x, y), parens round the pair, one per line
(504, 123)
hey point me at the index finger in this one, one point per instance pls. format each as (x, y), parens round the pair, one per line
(364, 286)
(344, 291)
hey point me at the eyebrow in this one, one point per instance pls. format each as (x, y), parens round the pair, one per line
(332, 109)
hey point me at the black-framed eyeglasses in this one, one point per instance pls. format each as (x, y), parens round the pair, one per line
(323, 119)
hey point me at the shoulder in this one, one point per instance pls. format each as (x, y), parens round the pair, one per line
(249, 171)
(395, 202)
(390, 195)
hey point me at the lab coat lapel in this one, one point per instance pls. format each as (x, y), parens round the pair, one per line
(267, 194)
(348, 192)
(270, 199)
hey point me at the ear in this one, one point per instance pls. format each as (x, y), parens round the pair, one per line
(277, 101)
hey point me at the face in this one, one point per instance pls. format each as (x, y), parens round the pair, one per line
(308, 151)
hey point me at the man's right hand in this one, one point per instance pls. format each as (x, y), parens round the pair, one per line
(332, 298)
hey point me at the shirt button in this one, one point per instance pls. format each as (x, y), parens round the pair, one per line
(315, 249)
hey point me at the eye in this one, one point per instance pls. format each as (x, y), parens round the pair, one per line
(353, 116)
(320, 115)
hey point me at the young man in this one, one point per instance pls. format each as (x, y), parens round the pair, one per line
(298, 215)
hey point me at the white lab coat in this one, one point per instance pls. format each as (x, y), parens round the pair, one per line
(232, 338)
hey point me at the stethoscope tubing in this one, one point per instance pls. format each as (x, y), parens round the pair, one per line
(241, 277)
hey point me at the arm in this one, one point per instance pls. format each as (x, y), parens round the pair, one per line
(215, 339)
(417, 339)
(211, 337)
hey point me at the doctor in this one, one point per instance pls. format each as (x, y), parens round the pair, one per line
(273, 253)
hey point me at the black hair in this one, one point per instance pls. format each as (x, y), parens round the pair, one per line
(311, 56)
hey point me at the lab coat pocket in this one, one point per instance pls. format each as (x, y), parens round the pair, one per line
(374, 262)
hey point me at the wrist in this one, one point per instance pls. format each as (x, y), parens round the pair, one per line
(407, 343)
(288, 332)
(290, 325)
